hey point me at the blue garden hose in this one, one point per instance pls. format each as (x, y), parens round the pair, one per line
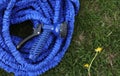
(46, 49)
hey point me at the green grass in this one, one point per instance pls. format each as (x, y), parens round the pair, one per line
(97, 24)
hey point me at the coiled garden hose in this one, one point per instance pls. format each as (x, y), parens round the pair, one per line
(53, 24)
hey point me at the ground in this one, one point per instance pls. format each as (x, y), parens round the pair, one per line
(96, 25)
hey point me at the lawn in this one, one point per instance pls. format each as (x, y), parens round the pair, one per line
(97, 25)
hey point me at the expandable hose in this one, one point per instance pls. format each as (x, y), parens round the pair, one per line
(46, 49)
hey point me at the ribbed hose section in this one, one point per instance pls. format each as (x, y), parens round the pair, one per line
(38, 45)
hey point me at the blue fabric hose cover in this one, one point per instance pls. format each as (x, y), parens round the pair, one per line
(49, 48)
